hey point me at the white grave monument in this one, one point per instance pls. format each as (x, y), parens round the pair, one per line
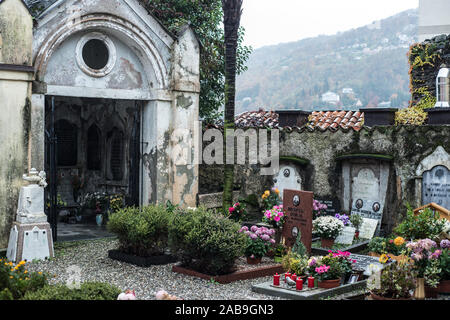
(31, 236)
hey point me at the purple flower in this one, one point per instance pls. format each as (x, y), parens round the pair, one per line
(244, 228)
(254, 228)
(265, 237)
(253, 236)
(445, 244)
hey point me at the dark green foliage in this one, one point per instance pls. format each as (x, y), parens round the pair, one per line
(87, 291)
(426, 224)
(142, 231)
(205, 17)
(298, 247)
(444, 264)
(257, 248)
(15, 280)
(206, 242)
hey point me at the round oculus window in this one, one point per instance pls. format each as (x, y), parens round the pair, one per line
(96, 54)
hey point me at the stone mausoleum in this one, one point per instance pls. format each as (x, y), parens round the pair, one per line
(91, 91)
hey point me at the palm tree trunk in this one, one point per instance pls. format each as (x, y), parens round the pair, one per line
(232, 10)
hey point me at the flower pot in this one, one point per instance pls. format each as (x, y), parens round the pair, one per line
(444, 286)
(254, 260)
(327, 243)
(419, 294)
(328, 284)
(377, 297)
(99, 219)
(431, 292)
(270, 254)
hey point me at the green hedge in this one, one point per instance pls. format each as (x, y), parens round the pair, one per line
(87, 291)
(206, 242)
(142, 232)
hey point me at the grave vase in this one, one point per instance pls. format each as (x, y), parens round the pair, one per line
(419, 294)
(99, 219)
(327, 243)
(278, 233)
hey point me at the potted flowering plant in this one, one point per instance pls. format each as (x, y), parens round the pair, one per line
(275, 218)
(270, 198)
(295, 263)
(356, 220)
(344, 218)
(425, 255)
(328, 229)
(259, 241)
(318, 209)
(395, 282)
(344, 258)
(328, 270)
(444, 265)
(237, 212)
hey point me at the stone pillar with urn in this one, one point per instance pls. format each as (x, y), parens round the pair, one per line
(31, 237)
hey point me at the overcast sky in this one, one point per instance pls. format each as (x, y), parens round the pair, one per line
(270, 22)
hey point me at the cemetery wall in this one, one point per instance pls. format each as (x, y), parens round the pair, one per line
(319, 155)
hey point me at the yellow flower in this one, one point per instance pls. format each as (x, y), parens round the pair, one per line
(40, 272)
(399, 241)
(10, 277)
(384, 258)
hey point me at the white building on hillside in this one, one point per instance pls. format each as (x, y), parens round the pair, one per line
(330, 97)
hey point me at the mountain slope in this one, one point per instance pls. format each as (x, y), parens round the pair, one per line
(371, 60)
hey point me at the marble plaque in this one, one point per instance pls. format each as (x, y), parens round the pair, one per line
(365, 185)
(436, 187)
(347, 235)
(298, 207)
(287, 178)
(368, 228)
(35, 245)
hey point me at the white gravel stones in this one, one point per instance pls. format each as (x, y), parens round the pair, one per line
(90, 258)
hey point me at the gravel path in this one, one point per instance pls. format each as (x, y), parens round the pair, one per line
(92, 259)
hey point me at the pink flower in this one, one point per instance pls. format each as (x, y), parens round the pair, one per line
(254, 228)
(276, 218)
(231, 209)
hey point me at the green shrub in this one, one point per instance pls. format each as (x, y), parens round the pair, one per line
(206, 242)
(427, 224)
(15, 280)
(141, 231)
(87, 291)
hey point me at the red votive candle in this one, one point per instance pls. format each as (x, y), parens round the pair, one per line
(299, 284)
(287, 274)
(276, 279)
(294, 277)
(311, 282)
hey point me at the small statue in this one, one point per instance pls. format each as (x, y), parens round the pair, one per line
(290, 282)
(35, 177)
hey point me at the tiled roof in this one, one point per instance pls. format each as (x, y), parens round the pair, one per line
(335, 119)
(261, 118)
(323, 120)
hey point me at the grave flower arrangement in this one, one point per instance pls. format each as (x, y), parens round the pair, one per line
(425, 255)
(328, 229)
(356, 220)
(344, 258)
(328, 270)
(295, 263)
(270, 198)
(395, 281)
(237, 212)
(425, 225)
(318, 209)
(259, 240)
(395, 247)
(344, 218)
(274, 216)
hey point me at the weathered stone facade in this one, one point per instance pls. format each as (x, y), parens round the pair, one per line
(320, 156)
(141, 62)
